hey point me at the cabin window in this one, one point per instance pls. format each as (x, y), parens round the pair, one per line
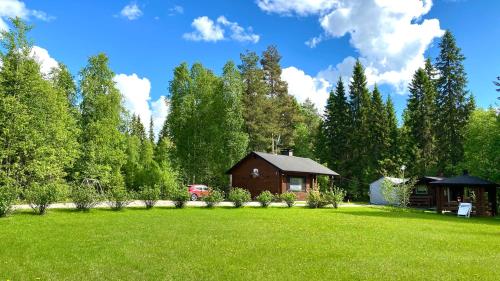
(296, 183)
(421, 190)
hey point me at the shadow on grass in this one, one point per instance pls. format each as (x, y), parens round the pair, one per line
(421, 215)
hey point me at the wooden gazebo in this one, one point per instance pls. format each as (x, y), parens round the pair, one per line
(480, 192)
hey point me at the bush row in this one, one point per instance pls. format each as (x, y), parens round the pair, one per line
(86, 197)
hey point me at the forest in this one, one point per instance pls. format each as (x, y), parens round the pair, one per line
(58, 130)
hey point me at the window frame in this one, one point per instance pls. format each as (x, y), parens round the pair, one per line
(304, 183)
(417, 192)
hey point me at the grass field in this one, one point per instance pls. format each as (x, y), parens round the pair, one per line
(248, 244)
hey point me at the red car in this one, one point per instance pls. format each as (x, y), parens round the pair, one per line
(197, 191)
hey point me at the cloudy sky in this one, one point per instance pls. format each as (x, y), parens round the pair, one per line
(318, 39)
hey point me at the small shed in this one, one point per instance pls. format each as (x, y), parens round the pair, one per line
(465, 188)
(259, 171)
(376, 196)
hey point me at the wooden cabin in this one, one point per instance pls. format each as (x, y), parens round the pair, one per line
(424, 195)
(480, 192)
(259, 171)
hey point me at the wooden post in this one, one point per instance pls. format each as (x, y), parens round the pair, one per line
(480, 208)
(439, 199)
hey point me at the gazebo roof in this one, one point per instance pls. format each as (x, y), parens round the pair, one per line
(465, 180)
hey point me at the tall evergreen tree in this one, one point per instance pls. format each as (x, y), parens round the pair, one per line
(337, 129)
(101, 138)
(360, 107)
(284, 110)
(151, 134)
(255, 103)
(454, 103)
(37, 130)
(379, 133)
(418, 121)
(391, 158)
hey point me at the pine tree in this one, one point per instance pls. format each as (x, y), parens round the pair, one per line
(419, 120)
(391, 159)
(101, 138)
(255, 103)
(360, 108)
(151, 133)
(379, 132)
(283, 113)
(337, 129)
(454, 103)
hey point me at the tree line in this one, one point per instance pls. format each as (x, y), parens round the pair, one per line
(55, 132)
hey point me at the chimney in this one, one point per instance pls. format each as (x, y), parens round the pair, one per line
(466, 172)
(287, 152)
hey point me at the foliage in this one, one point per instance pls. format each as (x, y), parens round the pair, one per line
(150, 195)
(419, 125)
(289, 198)
(205, 122)
(482, 145)
(454, 103)
(213, 198)
(180, 196)
(307, 130)
(397, 194)
(38, 130)
(118, 198)
(334, 196)
(101, 111)
(40, 197)
(265, 198)
(8, 196)
(336, 129)
(238, 196)
(315, 199)
(85, 197)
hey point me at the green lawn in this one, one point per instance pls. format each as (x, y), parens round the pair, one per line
(248, 244)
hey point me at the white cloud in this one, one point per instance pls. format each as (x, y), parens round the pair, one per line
(210, 31)
(390, 36)
(43, 58)
(137, 100)
(299, 7)
(176, 10)
(16, 8)
(303, 86)
(205, 30)
(131, 11)
(41, 15)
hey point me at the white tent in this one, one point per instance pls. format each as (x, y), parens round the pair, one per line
(376, 196)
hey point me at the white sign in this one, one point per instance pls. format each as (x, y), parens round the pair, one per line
(464, 209)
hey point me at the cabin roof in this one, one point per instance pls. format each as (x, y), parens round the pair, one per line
(464, 180)
(287, 163)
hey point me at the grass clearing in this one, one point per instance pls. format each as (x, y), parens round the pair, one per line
(248, 244)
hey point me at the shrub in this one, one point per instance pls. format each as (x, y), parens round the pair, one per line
(315, 199)
(118, 198)
(265, 198)
(7, 197)
(334, 196)
(289, 198)
(40, 196)
(180, 197)
(397, 194)
(85, 197)
(150, 195)
(238, 196)
(213, 198)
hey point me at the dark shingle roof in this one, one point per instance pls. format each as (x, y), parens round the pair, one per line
(296, 164)
(464, 180)
(428, 179)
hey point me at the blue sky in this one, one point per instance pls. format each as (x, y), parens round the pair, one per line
(149, 38)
